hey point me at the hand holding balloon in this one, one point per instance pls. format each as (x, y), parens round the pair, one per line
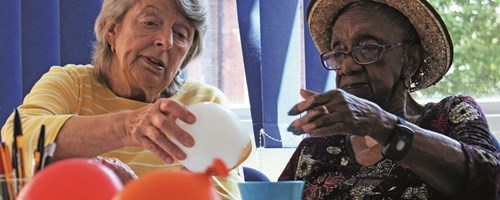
(217, 133)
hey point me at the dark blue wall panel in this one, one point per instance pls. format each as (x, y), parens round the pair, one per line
(10, 57)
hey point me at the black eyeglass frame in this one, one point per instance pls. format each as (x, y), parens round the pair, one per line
(380, 48)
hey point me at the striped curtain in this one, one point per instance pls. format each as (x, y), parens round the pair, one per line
(35, 35)
(270, 39)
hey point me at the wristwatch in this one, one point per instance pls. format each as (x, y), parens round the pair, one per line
(399, 141)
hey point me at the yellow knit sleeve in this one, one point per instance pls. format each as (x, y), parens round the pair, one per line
(51, 102)
(194, 91)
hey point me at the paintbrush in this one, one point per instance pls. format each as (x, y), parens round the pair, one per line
(18, 164)
(39, 153)
(5, 154)
(49, 153)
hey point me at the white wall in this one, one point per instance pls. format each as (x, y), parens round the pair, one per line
(492, 110)
(269, 161)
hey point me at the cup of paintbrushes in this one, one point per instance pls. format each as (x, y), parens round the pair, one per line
(10, 187)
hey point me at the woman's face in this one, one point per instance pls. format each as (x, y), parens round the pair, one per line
(151, 42)
(374, 82)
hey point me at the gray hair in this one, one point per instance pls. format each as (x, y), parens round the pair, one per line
(115, 10)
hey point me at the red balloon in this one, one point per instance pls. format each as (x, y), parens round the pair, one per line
(74, 178)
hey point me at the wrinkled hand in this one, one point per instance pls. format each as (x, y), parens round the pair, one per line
(121, 169)
(345, 114)
(154, 126)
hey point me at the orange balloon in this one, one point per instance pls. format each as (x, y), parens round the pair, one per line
(74, 178)
(174, 185)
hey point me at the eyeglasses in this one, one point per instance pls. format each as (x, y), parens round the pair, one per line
(362, 55)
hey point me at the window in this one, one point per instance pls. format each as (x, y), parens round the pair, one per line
(475, 71)
(221, 64)
(474, 29)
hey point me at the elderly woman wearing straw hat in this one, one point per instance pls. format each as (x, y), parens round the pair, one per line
(369, 138)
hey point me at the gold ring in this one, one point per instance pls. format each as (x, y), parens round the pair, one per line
(325, 109)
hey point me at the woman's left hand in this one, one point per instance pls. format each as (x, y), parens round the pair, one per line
(337, 112)
(123, 171)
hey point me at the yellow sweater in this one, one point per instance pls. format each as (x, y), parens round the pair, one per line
(73, 90)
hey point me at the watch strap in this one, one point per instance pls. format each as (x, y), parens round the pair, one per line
(399, 142)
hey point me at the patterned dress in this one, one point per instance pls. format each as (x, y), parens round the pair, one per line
(330, 172)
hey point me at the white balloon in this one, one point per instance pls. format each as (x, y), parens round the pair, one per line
(218, 133)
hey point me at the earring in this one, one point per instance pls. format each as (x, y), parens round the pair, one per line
(113, 48)
(408, 82)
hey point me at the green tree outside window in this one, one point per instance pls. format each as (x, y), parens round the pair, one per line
(474, 28)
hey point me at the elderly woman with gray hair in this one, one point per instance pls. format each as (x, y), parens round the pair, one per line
(125, 105)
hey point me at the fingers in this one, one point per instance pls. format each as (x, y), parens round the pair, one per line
(170, 128)
(312, 100)
(327, 114)
(300, 107)
(337, 112)
(337, 128)
(176, 110)
(154, 127)
(316, 122)
(166, 152)
(306, 93)
(325, 109)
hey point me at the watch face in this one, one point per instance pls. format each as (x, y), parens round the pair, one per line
(399, 143)
(402, 135)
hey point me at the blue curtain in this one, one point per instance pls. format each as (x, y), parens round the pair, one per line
(249, 25)
(270, 38)
(35, 35)
(10, 57)
(267, 47)
(316, 77)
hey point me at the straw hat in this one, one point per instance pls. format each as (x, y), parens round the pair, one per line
(431, 29)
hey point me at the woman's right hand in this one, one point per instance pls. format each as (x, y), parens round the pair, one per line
(154, 127)
(337, 112)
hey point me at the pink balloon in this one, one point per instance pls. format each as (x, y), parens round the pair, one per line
(76, 179)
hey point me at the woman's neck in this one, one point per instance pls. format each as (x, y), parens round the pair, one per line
(122, 88)
(413, 109)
